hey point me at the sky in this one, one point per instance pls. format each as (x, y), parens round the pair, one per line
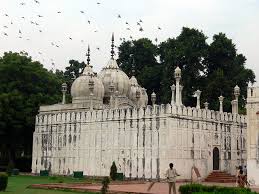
(20, 30)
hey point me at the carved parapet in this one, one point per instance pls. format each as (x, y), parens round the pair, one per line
(168, 109)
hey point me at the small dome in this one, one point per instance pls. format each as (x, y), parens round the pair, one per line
(111, 74)
(237, 89)
(133, 81)
(177, 70)
(137, 94)
(88, 87)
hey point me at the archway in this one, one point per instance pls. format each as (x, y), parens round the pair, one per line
(215, 158)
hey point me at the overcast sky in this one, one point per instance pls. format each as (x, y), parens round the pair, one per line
(239, 19)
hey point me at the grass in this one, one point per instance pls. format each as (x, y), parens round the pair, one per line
(19, 184)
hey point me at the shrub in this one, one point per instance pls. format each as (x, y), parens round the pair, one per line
(113, 171)
(16, 171)
(3, 181)
(23, 164)
(202, 189)
(105, 184)
(10, 167)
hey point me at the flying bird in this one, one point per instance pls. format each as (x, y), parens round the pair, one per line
(36, 1)
(5, 34)
(127, 28)
(89, 21)
(22, 3)
(98, 48)
(23, 17)
(119, 16)
(57, 46)
(156, 39)
(141, 29)
(5, 26)
(127, 23)
(95, 31)
(59, 12)
(82, 11)
(70, 38)
(98, 3)
(140, 21)
(40, 16)
(52, 43)
(6, 15)
(40, 30)
(20, 31)
(158, 28)
(32, 22)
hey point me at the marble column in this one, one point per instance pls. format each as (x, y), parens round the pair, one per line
(221, 98)
(180, 94)
(236, 94)
(177, 75)
(198, 96)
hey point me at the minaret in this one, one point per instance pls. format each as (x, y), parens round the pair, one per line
(64, 91)
(235, 101)
(173, 95)
(181, 92)
(197, 94)
(153, 99)
(177, 75)
(221, 98)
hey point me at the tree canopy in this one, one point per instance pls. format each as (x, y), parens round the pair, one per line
(213, 68)
(24, 86)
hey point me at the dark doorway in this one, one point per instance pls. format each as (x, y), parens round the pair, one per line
(215, 158)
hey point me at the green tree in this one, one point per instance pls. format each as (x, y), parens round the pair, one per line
(73, 71)
(213, 68)
(113, 171)
(225, 68)
(187, 51)
(24, 86)
(141, 55)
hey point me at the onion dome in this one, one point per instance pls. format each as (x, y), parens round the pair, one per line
(88, 87)
(112, 74)
(137, 94)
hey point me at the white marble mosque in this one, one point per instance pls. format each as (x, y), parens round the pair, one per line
(109, 120)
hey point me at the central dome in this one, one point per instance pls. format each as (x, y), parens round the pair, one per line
(88, 89)
(112, 75)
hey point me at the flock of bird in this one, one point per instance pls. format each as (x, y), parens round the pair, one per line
(139, 26)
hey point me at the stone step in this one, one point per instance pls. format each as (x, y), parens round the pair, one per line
(220, 177)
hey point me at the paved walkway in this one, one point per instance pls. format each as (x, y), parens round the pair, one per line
(136, 188)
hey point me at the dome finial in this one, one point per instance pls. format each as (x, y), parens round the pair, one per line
(88, 55)
(112, 46)
(133, 67)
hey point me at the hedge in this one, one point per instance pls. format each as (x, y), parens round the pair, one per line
(202, 189)
(3, 181)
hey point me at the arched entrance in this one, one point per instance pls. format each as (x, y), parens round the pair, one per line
(215, 158)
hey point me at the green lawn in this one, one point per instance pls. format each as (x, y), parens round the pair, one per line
(19, 184)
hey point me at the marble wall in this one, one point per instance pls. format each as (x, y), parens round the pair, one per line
(142, 142)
